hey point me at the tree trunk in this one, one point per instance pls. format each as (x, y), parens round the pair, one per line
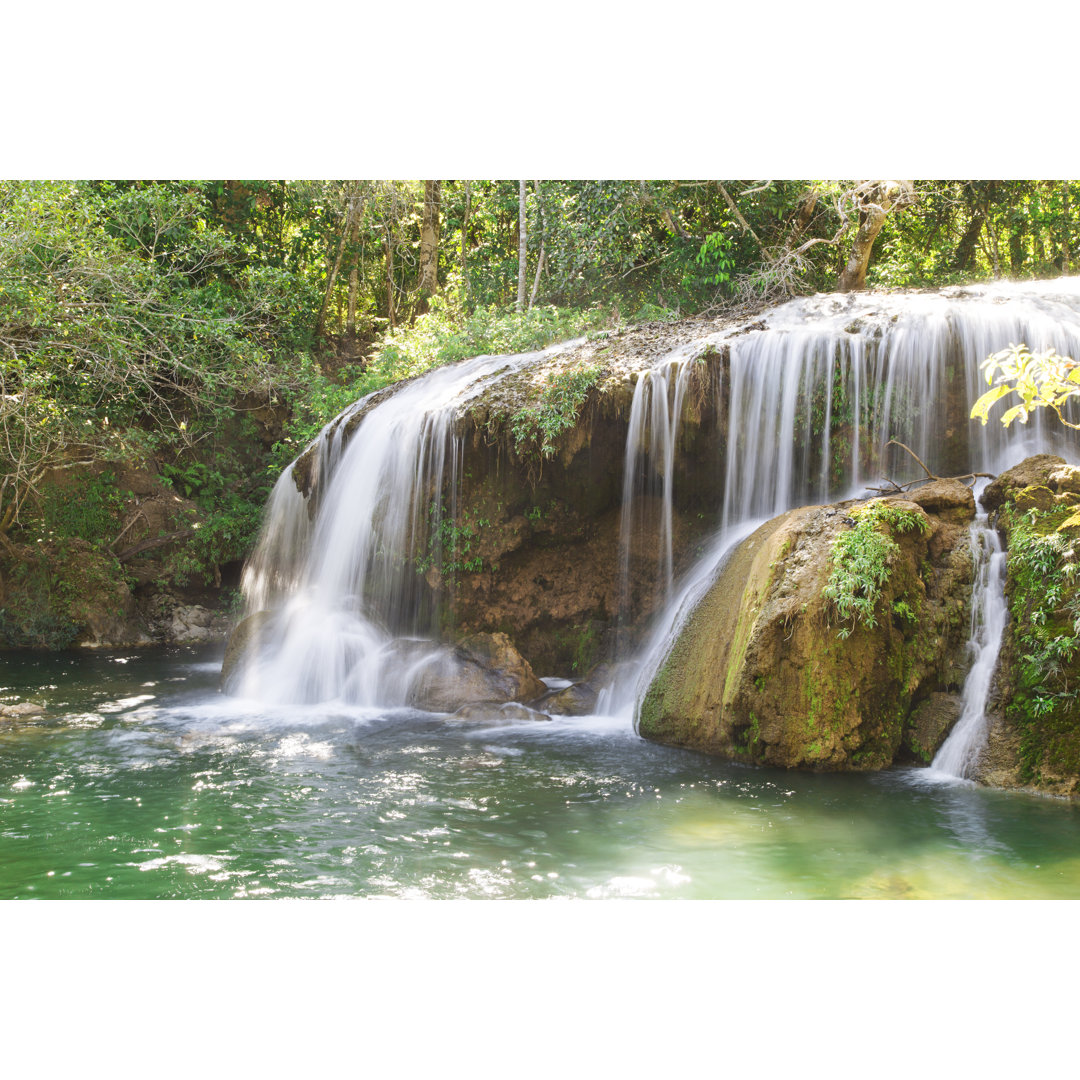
(429, 246)
(1017, 228)
(464, 249)
(1065, 254)
(874, 203)
(389, 278)
(540, 260)
(965, 251)
(522, 246)
(354, 279)
(807, 206)
(331, 280)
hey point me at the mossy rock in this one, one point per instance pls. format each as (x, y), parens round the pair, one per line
(761, 672)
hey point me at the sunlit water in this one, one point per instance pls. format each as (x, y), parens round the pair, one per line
(143, 782)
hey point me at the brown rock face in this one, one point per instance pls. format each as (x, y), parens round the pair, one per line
(760, 672)
(1033, 471)
(930, 722)
(480, 669)
(948, 499)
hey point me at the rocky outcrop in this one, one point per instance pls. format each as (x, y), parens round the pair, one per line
(480, 669)
(100, 561)
(246, 638)
(20, 710)
(766, 671)
(1034, 723)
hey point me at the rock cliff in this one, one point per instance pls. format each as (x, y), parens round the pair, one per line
(1034, 722)
(769, 669)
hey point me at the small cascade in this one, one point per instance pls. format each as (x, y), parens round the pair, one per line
(959, 755)
(649, 466)
(632, 676)
(340, 567)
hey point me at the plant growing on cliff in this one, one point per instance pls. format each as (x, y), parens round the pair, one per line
(1045, 608)
(862, 559)
(560, 402)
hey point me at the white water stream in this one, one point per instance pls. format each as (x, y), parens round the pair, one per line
(959, 755)
(349, 625)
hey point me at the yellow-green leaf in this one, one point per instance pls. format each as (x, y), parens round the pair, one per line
(981, 409)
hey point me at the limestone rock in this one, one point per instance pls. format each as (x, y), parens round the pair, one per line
(1034, 470)
(1065, 478)
(930, 722)
(479, 669)
(759, 672)
(248, 635)
(576, 700)
(508, 713)
(20, 710)
(192, 624)
(946, 498)
(1034, 497)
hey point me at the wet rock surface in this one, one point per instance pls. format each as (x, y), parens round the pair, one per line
(482, 669)
(1033, 737)
(931, 721)
(20, 710)
(762, 672)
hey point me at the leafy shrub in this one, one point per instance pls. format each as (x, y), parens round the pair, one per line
(560, 402)
(862, 559)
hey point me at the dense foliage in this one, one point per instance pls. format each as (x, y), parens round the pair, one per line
(206, 330)
(1042, 380)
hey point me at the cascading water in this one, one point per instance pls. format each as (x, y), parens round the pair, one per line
(959, 755)
(649, 466)
(820, 386)
(346, 582)
(814, 391)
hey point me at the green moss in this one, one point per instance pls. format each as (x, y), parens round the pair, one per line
(581, 644)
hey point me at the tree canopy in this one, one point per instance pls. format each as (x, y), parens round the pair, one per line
(138, 319)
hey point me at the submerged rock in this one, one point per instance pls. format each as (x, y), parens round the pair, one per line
(498, 714)
(20, 710)
(761, 672)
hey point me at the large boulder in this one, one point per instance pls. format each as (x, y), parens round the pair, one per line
(248, 637)
(479, 669)
(766, 671)
(1032, 473)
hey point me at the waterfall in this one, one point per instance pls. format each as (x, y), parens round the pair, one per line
(812, 392)
(959, 755)
(341, 566)
(817, 389)
(649, 465)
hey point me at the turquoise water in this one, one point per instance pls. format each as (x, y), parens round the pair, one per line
(142, 781)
